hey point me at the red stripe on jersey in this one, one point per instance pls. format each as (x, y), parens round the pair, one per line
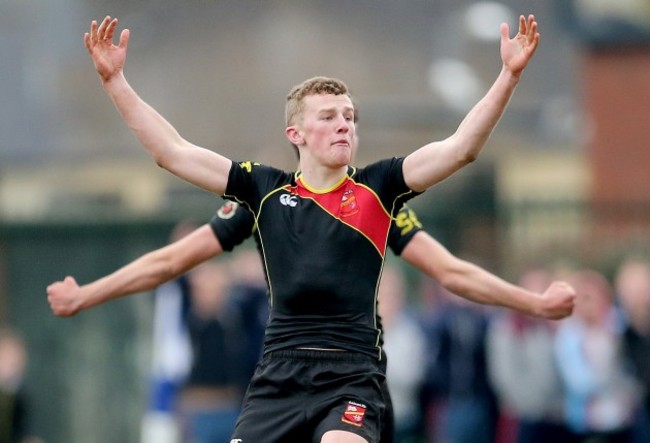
(354, 205)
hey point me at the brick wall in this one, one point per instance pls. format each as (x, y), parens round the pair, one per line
(617, 100)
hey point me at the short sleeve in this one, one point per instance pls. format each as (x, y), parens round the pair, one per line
(402, 229)
(232, 224)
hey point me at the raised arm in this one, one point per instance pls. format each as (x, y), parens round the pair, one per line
(199, 166)
(67, 298)
(438, 160)
(478, 285)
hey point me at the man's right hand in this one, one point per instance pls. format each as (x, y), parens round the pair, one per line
(108, 58)
(64, 298)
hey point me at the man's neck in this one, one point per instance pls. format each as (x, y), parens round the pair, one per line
(322, 177)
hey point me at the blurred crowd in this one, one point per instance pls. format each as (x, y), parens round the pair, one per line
(461, 372)
(458, 372)
(15, 424)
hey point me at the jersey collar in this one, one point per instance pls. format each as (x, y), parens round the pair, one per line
(300, 182)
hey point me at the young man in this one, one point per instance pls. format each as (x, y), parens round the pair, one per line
(323, 232)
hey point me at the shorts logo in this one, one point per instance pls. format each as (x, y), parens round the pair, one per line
(289, 200)
(354, 414)
(227, 211)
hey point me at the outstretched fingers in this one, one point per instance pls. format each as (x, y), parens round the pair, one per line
(524, 24)
(124, 38)
(90, 37)
(110, 29)
(528, 29)
(101, 31)
(533, 34)
(104, 32)
(93, 31)
(505, 31)
(517, 51)
(87, 42)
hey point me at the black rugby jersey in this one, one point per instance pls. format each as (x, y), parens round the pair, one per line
(323, 251)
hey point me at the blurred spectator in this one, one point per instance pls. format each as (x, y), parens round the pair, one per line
(458, 393)
(171, 354)
(249, 298)
(632, 285)
(179, 312)
(210, 399)
(404, 344)
(14, 411)
(522, 368)
(601, 397)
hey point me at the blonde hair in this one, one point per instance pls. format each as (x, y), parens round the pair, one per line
(313, 86)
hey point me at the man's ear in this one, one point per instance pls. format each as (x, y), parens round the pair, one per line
(294, 135)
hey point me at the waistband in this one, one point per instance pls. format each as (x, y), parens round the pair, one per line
(319, 355)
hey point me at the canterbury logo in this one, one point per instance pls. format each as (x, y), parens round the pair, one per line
(289, 200)
(236, 440)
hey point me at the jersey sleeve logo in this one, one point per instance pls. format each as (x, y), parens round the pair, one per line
(354, 414)
(406, 221)
(227, 211)
(248, 166)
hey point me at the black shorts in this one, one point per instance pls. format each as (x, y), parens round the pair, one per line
(299, 395)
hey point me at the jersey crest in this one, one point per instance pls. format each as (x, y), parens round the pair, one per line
(349, 204)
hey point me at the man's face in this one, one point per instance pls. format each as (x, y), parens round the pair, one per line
(328, 130)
